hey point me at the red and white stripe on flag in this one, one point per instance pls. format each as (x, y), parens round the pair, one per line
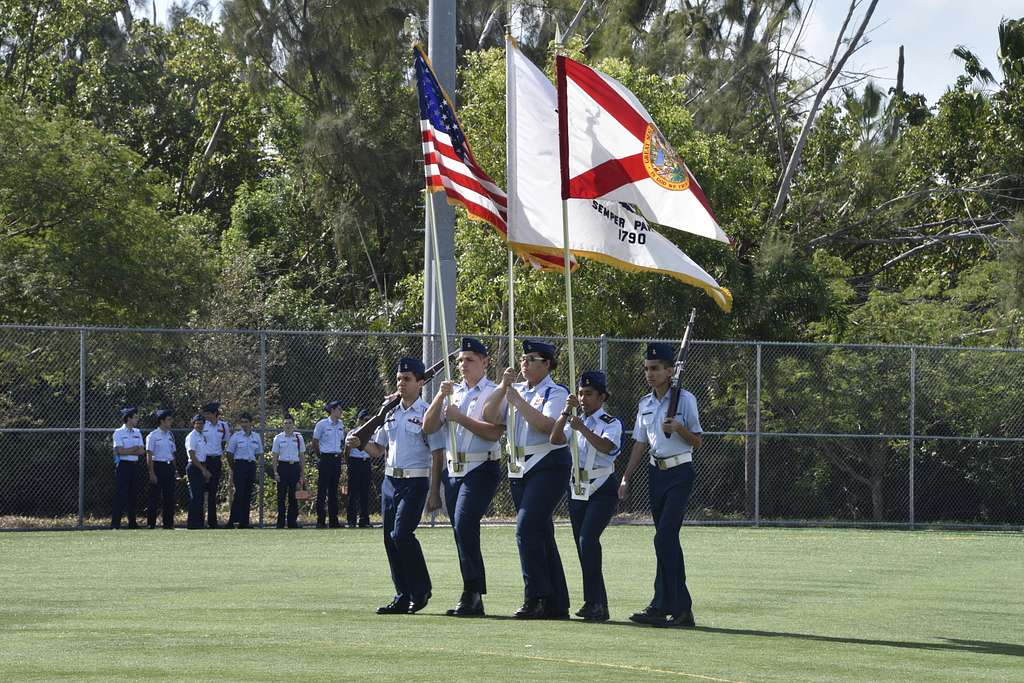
(610, 148)
(449, 165)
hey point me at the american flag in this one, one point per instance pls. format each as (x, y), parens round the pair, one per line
(448, 162)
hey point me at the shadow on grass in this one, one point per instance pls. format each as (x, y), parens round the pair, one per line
(983, 647)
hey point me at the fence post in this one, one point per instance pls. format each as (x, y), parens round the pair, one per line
(913, 440)
(263, 414)
(602, 355)
(81, 428)
(757, 441)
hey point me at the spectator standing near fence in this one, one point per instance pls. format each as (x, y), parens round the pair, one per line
(197, 473)
(470, 475)
(359, 475)
(244, 448)
(328, 437)
(599, 437)
(670, 479)
(287, 452)
(217, 433)
(128, 446)
(411, 454)
(160, 450)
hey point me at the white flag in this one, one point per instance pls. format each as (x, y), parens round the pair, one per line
(601, 230)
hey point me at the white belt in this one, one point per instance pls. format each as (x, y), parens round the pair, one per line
(155, 460)
(518, 465)
(461, 458)
(671, 461)
(128, 458)
(587, 478)
(407, 472)
(237, 459)
(288, 462)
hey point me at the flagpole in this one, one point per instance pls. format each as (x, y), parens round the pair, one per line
(510, 420)
(441, 318)
(574, 448)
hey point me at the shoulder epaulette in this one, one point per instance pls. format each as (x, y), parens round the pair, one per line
(608, 418)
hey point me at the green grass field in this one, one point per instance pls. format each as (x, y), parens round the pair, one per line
(771, 604)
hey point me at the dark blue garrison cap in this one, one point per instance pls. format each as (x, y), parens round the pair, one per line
(413, 365)
(363, 414)
(128, 411)
(245, 416)
(543, 348)
(164, 412)
(198, 418)
(473, 344)
(213, 407)
(331, 405)
(594, 379)
(661, 351)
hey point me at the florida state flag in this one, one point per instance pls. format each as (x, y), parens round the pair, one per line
(611, 149)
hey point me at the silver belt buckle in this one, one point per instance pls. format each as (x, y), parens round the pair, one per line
(397, 472)
(662, 463)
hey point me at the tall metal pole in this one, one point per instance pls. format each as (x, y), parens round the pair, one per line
(441, 51)
(757, 441)
(81, 429)
(263, 415)
(913, 439)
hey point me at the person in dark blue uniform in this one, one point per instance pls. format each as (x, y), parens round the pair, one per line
(538, 471)
(410, 459)
(160, 449)
(244, 447)
(472, 473)
(217, 433)
(358, 466)
(670, 477)
(328, 440)
(128, 447)
(196, 471)
(598, 436)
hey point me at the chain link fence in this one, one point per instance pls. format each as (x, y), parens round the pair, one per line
(793, 433)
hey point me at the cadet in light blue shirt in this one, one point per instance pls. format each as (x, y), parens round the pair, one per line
(160, 449)
(244, 447)
(217, 433)
(198, 475)
(670, 478)
(358, 483)
(538, 471)
(598, 437)
(328, 437)
(128, 446)
(288, 450)
(411, 456)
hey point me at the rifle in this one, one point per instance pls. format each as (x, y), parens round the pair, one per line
(676, 384)
(364, 432)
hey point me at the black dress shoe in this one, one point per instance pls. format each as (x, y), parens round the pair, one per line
(416, 604)
(582, 611)
(321, 525)
(596, 612)
(650, 615)
(396, 606)
(469, 605)
(335, 524)
(533, 608)
(556, 614)
(684, 620)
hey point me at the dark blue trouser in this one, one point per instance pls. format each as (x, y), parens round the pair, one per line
(161, 494)
(670, 492)
(124, 493)
(244, 473)
(213, 486)
(328, 475)
(589, 519)
(197, 487)
(536, 496)
(359, 491)
(401, 505)
(467, 499)
(289, 473)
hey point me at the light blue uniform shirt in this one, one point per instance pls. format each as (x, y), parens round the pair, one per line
(651, 413)
(330, 435)
(547, 397)
(288, 449)
(408, 446)
(196, 441)
(161, 445)
(217, 434)
(606, 426)
(126, 437)
(469, 401)
(245, 446)
(358, 454)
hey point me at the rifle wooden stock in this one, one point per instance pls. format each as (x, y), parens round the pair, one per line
(676, 386)
(366, 430)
